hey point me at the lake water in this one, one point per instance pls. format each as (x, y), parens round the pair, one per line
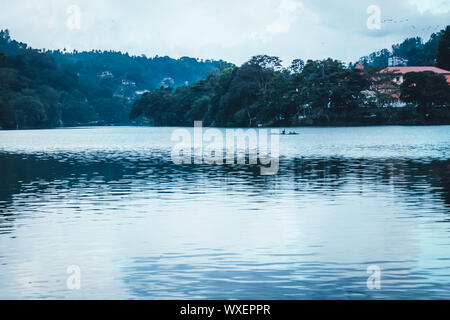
(111, 202)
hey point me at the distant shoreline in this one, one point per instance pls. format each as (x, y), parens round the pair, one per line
(218, 127)
(360, 117)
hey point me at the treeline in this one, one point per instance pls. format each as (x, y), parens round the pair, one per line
(36, 93)
(263, 93)
(40, 88)
(260, 92)
(415, 51)
(137, 72)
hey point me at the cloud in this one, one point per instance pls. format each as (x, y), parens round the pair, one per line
(434, 6)
(233, 30)
(286, 17)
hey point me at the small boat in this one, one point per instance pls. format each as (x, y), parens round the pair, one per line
(290, 133)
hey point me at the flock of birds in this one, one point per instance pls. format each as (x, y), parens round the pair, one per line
(426, 28)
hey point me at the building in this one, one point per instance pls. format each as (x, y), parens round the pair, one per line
(141, 92)
(400, 72)
(359, 66)
(397, 61)
(128, 83)
(106, 74)
(392, 88)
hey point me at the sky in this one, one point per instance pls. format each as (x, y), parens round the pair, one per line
(232, 30)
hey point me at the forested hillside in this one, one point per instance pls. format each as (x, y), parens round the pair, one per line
(260, 92)
(55, 88)
(315, 92)
(415, 50)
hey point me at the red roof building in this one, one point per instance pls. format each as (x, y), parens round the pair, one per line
(359, 66)
(401, 71)
(392, 87)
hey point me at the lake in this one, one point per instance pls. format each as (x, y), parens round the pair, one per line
(110, 202)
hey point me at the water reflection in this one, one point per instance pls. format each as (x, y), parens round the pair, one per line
(141, 227)
(29, 177)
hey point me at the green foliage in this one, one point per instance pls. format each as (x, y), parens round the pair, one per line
(154, 106)
(411, 49)
(37, 93)
(111, 70)
(443, 58)
(426, 89)
(8, 46)
(379, 58)
(28, 111)
(260, 92)
(414, 50)
(327, 84)
(54, 88)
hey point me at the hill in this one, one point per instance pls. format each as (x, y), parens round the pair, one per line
(414, 51)
(56, 88)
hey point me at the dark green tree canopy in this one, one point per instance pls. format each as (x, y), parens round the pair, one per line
(79, 88)
(443, 57)
(52, 88)
(425, 89)
(260, 92)
(415, 50)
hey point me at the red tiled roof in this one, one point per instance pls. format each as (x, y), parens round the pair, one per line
(404, 70)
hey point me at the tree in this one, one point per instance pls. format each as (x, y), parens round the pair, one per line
(328, 84)
(266, 62)
(199, 109)
(380, 58)
(410, 49)
(425, 89)
(430, 49)
(82, 87)
(443, 58)
(414, 50)
(156, 106)
(297, 66)
(28, 112)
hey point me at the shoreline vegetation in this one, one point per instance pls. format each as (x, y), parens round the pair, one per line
(52, 89)
(386, 116)
(383, 117)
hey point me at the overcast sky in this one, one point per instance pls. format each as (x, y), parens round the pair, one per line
(233, 30)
